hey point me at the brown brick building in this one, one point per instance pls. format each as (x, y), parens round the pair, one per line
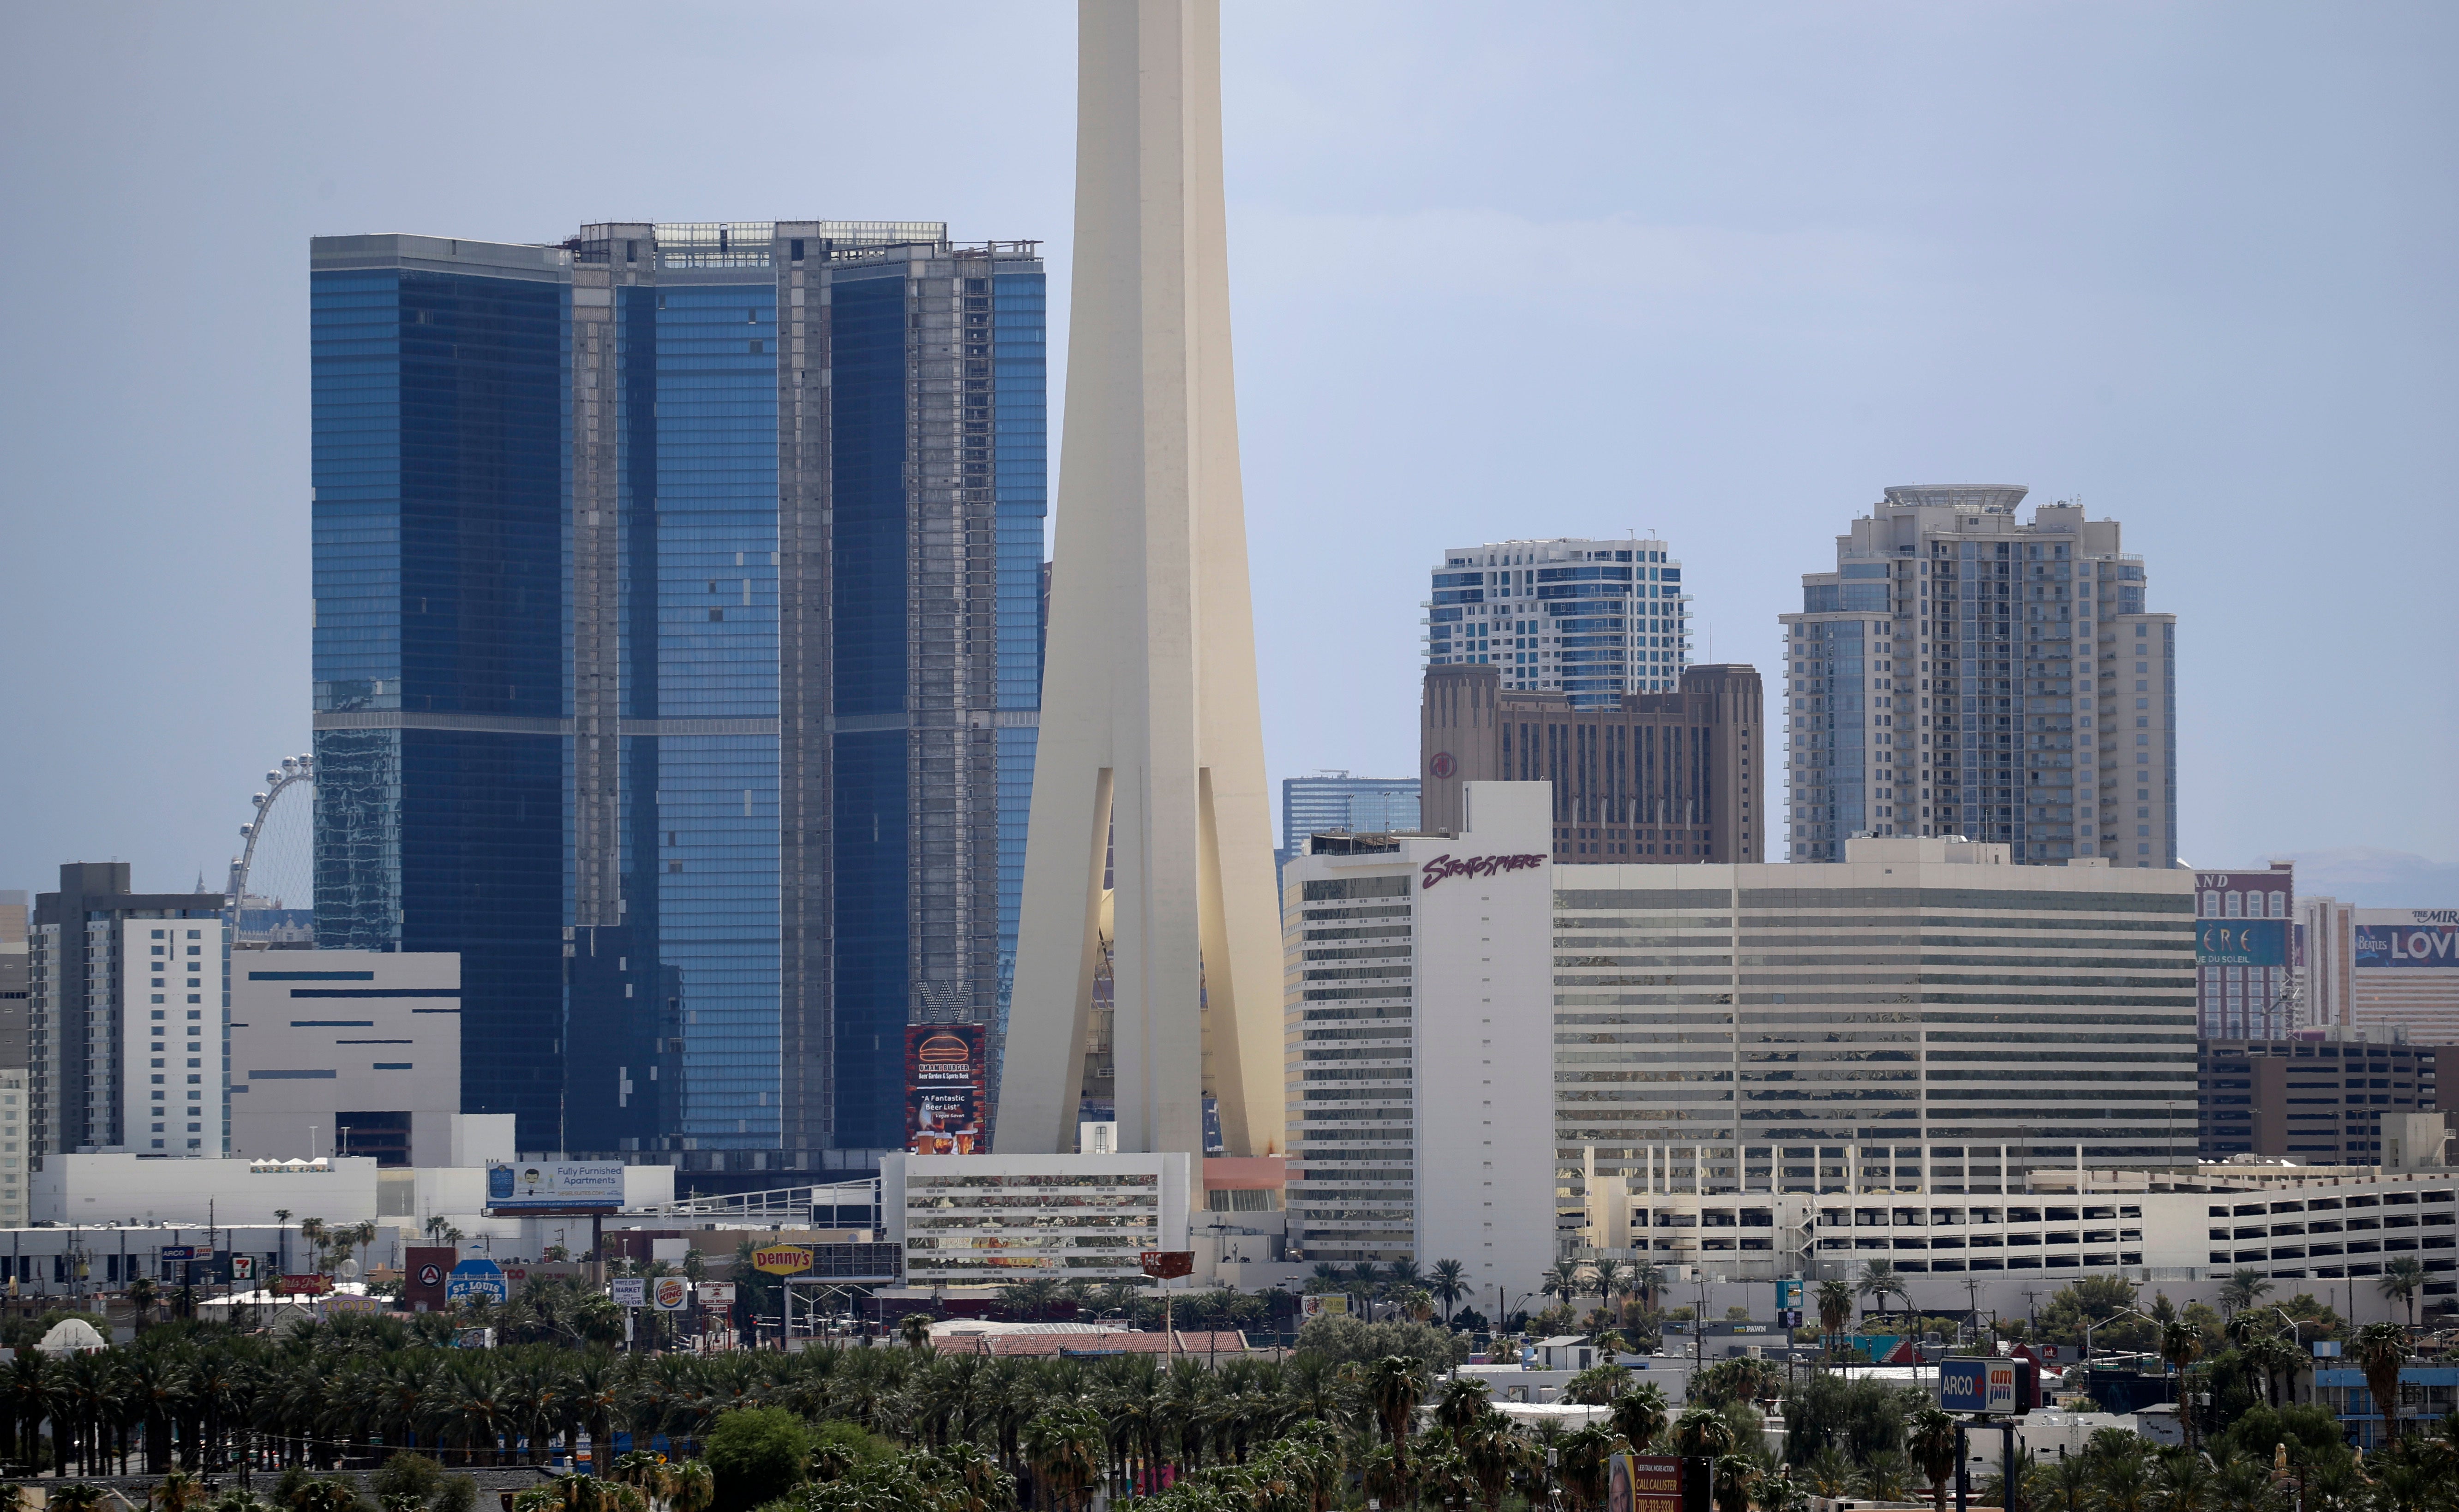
(1658, 776)
(2321, 1102)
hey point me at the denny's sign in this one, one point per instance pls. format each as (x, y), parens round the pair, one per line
(781, 1259)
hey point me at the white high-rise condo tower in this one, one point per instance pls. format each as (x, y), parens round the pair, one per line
(1149, 861)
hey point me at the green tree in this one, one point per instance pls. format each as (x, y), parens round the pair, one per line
(2242, 1290)
(1640, 1414)
(1880, 1280)
(2403, 1277)
(1597, 1386)
(2380, 1351)
(1563, 1281)
(1932, 1440)
(1835, 1309)
(756, 1453)
(2182, 1344)
(1448, 1283)
(1064, 1445)
(2096, 1299)
(1391, 1389)
(1703, 1431)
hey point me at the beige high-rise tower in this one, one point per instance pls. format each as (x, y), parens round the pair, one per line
(1151, 759)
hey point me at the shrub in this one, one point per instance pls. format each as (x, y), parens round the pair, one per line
(408, 1474)
(758, 1455)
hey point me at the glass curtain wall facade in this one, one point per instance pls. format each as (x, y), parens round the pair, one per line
(440, 457)
(1591, 620)
(692, 743)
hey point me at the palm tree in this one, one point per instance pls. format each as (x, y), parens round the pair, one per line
(2182, 1344)
(691, 1487)
(1932, 1440)
(1563, 1281)
(915, 1328)
(2273, 1357)
(2380, 1351)
(2242, 1290)
(1448, 1283)
(1703, 1431)
(1640, 1414)
(1646, 1276)
(1879, 1281)
(1835, 1309)
(1884, 1476)
(1606, 1275)
(2402, 1275)
(178, 1491)
(2185, 1483)
(1733, 1478)
(1064, 1445)
(1391, 1389)
(1461, 1402)
(141, 1296)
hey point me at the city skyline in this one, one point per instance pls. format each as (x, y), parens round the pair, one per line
(2118, 383)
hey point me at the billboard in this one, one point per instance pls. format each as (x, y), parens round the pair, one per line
(555, 1185)
(781, 1259)
(1977, 1385)
(943, 1089)
(1644, 1484)
(1334, 1303)
(628, 1292)
(2408, 939)
(476, 1278)
(427, 1266)
(669, 1294)
(2240, 943)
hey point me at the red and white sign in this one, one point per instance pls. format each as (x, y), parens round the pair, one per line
(1443, 765)
(1444, 866)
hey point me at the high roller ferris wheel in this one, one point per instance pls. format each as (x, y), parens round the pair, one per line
(272, 884)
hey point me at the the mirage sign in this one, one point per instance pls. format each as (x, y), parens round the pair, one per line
(2410, 938)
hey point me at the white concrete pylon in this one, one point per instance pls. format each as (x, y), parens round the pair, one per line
(1151, 743)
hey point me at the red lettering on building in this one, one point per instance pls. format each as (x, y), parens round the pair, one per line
(1443, 866)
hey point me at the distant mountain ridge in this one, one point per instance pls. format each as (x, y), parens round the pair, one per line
(2371, 877)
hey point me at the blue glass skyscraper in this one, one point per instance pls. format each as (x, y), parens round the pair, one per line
(676, 659)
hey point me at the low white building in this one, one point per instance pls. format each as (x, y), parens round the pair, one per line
(126, 1188)
(993, 1220)
(346, 1052)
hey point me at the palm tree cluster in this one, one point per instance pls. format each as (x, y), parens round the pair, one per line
(1868, 1439)
(1414, 1293)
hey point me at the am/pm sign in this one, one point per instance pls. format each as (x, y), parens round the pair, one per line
(1977, 1385)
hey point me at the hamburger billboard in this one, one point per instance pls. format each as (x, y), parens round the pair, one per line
(943, 1089)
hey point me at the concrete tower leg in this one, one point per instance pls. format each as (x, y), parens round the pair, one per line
(1151, 749)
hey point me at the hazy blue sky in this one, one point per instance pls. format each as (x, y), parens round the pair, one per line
(1717, 271)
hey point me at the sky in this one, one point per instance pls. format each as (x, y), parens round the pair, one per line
(1720, 273)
